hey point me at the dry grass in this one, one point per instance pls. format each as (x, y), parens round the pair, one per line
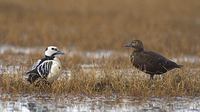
(110, 80)
(162, 25)
(174, 83)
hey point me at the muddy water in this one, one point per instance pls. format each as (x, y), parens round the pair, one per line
(42, 103)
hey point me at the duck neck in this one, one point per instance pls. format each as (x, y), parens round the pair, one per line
(49, 57)
(138, 50)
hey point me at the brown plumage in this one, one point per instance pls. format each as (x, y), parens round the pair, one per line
(149, 62)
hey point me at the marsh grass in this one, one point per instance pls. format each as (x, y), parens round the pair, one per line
(109, 82)
(114, 75)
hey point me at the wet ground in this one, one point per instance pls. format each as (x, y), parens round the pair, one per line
(46, 103)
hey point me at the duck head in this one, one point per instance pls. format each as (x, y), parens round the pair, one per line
(137, 45)
(53, 51)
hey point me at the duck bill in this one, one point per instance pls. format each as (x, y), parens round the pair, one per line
(60, 53)
(128, 45)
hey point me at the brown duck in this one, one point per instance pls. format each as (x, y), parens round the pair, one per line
(149, 62)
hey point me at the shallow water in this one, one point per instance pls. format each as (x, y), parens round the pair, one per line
(44, 103)
(89, 54)
(68, 52)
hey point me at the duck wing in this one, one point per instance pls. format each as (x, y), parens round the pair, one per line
(44, 68)
(35, 64)
(153, 63)
(40, 69)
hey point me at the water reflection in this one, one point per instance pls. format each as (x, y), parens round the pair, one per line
(97, 104)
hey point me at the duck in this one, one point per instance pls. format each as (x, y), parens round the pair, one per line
(149, 62)
(48, 68)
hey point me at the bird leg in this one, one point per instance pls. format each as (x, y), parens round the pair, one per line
(151, 82)
(151, 76)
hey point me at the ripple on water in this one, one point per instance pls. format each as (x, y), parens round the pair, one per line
(28, 103)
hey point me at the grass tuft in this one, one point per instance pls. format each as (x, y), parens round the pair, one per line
(175, 83)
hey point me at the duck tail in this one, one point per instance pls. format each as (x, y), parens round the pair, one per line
(179, 66)
(32, 77)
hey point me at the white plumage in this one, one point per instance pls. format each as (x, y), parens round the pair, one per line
(48, 68)
(55, 71)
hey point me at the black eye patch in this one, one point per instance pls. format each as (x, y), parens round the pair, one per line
(54, 49)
